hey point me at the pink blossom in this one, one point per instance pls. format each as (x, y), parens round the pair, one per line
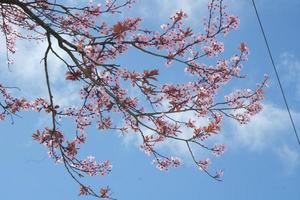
(203, 164)
(219, 149)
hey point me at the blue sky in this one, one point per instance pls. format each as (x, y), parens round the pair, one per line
(262, 160)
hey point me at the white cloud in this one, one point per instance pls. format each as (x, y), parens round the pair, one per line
(196, 9)
(290, 158)
(269, 131)
(263, 130)
(177, 147)
(169, 7)
(290, 68)
(28, 69)
(162, 10)
(28, 73)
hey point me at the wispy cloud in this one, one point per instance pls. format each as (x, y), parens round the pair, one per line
(290, 65)
(269, 131)
(290, 158)
(264, 129)
(169, 7)
(27, 69)
(163, 9)
(171, 146)
(28, 73)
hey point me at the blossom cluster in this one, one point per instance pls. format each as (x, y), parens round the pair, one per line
(164, 164)
(11, 105)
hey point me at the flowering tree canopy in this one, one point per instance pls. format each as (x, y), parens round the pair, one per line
(89, 48)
